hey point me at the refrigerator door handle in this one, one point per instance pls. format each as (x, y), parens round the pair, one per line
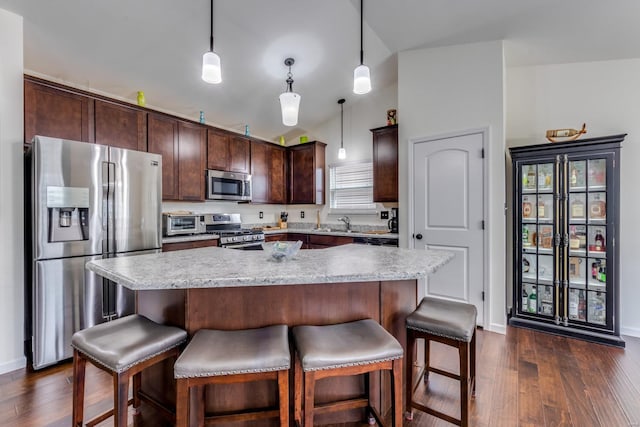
(108, 197)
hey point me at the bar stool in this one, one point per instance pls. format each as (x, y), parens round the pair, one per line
(122, 347)
(219, 357)
(451, 323)
(353, 348)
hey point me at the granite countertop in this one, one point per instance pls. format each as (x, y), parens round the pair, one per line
(189, 238)
(219, 267)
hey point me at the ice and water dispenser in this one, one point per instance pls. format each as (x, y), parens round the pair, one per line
(68, 210)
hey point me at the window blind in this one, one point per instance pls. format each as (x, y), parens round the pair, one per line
(351, 186)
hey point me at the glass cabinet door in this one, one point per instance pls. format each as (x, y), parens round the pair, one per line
(536, 242)
(587, 246)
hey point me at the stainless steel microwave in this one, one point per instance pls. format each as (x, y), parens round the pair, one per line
(228, 186)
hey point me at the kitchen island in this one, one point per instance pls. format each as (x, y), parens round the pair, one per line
(231, 289)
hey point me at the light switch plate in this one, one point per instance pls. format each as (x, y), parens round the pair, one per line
(261, 214)
(301, 214)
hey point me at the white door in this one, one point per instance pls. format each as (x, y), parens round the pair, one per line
(448, 213)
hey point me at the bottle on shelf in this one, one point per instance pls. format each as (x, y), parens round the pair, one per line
(573, 305)
(577, 208)
(525, 300)
(574, 177)
(599, 241)
(525, 265)
(531, 177)
(533, 300)
(525, 235)
(582, 306)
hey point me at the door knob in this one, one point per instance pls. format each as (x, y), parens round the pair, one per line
(419, 236)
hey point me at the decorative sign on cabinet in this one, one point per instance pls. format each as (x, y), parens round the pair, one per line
(566, 238)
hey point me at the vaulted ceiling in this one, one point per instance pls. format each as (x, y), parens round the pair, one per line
(119, 47)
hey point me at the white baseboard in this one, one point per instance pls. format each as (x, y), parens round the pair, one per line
(13, 365)
(497, 328)
(633, 332)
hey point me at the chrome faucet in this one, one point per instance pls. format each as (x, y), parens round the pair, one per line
(347, 221)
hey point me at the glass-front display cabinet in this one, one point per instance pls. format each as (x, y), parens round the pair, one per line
(566, 222)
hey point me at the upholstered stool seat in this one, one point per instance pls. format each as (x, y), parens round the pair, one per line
(451, 323)
(123, 347)
(215, 356)
(344, 349)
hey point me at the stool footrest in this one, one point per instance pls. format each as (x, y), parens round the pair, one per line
(100, 418)
(245, 415)
(435, 413)
(444, 373)
(342, 405)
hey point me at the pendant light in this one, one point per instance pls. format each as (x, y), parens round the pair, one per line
(361, 76)
(211, 70)
(342, 153)
(289, 100)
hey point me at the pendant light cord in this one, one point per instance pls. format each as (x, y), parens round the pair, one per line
(341, 102)
(361, 31)
(211, 34)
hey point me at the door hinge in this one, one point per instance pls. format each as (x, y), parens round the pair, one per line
(482, 224)
(482, 295)
(482, 153)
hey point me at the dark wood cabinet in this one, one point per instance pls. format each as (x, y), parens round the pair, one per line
(307, 173)
(268, 173)
(319, 241)
(179, 246)
(227, 151)
(50, 111)
(120, 126)
(385, 164)
(192, 154)
(163, 139)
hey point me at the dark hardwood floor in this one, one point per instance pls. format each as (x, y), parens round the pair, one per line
(524, 378)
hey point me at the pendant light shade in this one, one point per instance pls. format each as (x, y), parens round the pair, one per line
(361, 75)
(361, 80)
(289, 100)
(211, 69)
(342, 153)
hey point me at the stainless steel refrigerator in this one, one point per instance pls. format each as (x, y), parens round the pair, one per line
(83, 202)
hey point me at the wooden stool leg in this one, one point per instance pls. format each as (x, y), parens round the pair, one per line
(473, 364)
(409, 357)
(200, 404)
(137, 383)
(396, 392)
(120, 398)
(427, 358)
(283, 397)
(463, 349)
(297, 390)
(182, 402)
(309, 397)
(79, 367)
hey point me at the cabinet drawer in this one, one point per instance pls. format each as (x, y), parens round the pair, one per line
(178, 246)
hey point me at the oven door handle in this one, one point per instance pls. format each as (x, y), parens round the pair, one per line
(243, 245)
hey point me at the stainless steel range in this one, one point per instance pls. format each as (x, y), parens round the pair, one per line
(232, 235)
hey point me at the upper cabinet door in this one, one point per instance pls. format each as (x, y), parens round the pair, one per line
(192, 153)
(260, 172)
(217, 150)
(385, 164)
(56, 113)
(239, 154)
(163, 140)
(120, 126)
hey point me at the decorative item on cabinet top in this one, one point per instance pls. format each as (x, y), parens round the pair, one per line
(563, 135)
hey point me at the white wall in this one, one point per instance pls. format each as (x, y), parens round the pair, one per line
(606, 96)
(11, 185)
(457, 88)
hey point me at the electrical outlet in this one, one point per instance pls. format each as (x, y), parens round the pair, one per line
(384, 214)
(301, 214)
(261, 214)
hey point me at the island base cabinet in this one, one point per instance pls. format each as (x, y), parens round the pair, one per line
(253, 307)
